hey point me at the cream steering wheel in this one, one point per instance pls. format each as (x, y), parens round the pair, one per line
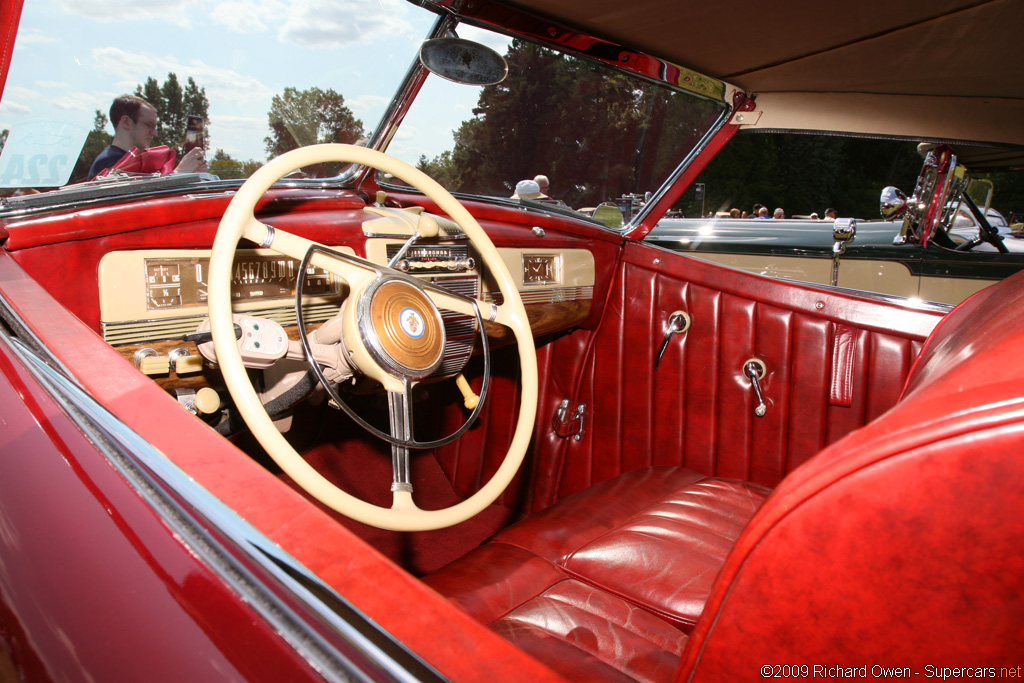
(391, 290)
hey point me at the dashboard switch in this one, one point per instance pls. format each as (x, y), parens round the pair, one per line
(151, 363)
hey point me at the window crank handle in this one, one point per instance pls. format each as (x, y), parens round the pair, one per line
(755, 371)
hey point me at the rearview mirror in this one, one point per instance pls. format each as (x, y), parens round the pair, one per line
(463, 61)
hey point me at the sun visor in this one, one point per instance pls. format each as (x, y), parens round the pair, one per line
(992, 120)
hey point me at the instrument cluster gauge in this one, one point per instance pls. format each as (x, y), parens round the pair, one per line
(176, 282)
(163, 283)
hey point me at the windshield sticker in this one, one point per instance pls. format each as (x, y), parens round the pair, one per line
(40, 153)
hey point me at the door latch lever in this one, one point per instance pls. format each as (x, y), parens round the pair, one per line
(678, 322)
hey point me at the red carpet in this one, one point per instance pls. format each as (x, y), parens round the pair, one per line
(360, 464)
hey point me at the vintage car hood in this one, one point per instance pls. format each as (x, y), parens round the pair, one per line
(857, 67)
(698, 233)
(808, 236)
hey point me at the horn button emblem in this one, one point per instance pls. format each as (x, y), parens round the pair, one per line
(411, 322)
(401, 328)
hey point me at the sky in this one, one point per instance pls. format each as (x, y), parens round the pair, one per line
(73, 57)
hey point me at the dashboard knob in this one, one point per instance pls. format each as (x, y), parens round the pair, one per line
(207, 401)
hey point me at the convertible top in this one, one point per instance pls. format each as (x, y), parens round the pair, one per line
(945, 69)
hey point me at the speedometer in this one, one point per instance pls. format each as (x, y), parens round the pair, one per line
(177, 282)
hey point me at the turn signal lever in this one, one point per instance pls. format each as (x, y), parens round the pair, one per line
(469, 397)
(207, 336)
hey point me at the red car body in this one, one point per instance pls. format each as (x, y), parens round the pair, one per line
(136, 543)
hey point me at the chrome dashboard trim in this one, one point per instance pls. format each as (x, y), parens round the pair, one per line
(164, 329)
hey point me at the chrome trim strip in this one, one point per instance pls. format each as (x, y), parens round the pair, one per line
(165, 329)
(548, 295)
(153, 476)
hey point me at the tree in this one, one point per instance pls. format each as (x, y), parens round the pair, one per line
(305, 117)
(440, 169)
(625, 139)
(225, 166)
(804, 173)
(174, 106)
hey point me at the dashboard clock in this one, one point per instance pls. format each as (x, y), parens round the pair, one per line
(541, 269)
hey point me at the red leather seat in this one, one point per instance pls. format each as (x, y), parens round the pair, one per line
(566, 583)
(901, 545)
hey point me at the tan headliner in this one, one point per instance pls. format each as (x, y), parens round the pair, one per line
(936, 68)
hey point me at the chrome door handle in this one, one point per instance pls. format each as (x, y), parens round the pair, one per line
(678, 322)
(755, 370)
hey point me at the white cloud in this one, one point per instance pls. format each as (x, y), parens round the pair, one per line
(366, 103)
(222, 85)
(249, 16)
(14, 97)
(78, 101)
(177, 12)
(343, 23)
(33, 37)
(311, 24)
(9, 106)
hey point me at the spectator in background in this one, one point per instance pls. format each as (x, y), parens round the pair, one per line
(734, 213)
(134, 120)
(762, 213)
(779, 214)
(831, 214)
(527, 189)
(543, 183)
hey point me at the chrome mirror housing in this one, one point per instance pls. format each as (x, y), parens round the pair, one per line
(892, 203)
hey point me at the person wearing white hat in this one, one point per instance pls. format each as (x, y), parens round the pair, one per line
(527, 189)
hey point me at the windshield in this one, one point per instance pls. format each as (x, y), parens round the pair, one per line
(247, 80)
(591, 133)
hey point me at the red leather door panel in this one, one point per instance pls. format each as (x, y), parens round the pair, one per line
(834, 361)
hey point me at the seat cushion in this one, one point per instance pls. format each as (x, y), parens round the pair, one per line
(566, 584)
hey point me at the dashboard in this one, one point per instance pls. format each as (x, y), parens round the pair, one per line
(156, 295)
(150, 299)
